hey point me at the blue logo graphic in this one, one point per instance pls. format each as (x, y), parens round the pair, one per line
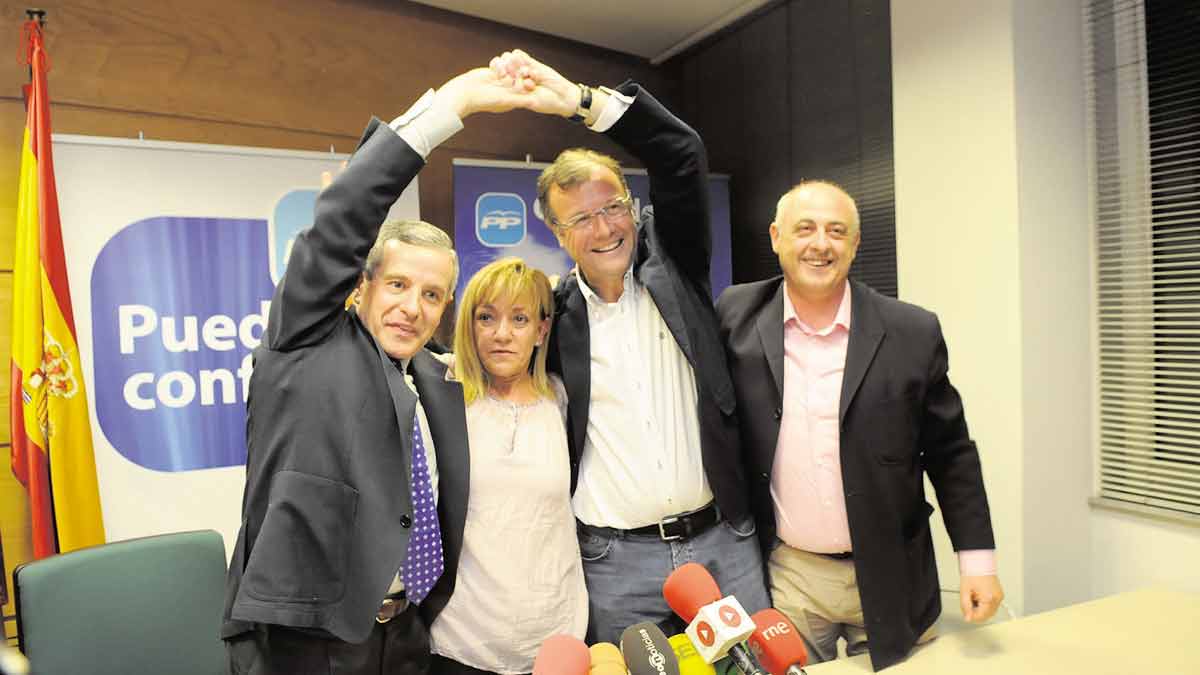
(293, 213)
(178, 305)
(500, 219)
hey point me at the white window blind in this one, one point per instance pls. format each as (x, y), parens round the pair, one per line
(1143, 71)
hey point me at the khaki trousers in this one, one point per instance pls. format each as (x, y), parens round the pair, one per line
(820, 595)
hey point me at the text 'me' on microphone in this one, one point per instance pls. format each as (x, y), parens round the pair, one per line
(647, 652)
(562, 655)
(606, 660)
(777, 644)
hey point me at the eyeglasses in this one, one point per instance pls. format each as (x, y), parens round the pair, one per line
(611, 212)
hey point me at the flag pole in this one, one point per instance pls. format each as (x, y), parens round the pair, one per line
(39, 15)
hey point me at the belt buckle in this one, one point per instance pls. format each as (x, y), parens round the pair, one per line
(662, 532)
(389, 608)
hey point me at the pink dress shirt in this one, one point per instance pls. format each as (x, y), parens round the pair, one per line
(806, 478)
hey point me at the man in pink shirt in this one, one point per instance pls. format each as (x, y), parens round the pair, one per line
(844, 404)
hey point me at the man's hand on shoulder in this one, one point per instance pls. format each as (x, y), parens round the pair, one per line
(980, 596)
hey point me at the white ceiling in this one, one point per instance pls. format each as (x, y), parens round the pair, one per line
(654, 29)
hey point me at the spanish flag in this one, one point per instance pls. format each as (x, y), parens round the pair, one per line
(51, 431)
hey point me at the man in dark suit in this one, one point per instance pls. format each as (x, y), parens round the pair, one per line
(356, 472)
(656, 467)
(844, 404)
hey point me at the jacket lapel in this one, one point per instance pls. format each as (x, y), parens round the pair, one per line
(653, 275)
(405, 403)
(443, 404)
(866, 332)
(574, 347)
(770, 333)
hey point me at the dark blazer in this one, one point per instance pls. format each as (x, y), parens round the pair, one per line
(672, 260)
(327, 509)
(899, 417)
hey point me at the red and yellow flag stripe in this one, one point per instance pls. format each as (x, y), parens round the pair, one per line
(51, 427)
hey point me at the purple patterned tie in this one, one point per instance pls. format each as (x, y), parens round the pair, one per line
(424, 563)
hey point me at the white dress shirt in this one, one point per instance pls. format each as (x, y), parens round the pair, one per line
(641, 454)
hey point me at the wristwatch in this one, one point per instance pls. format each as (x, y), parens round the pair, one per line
(585, 104)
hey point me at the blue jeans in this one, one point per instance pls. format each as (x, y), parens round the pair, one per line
(625, 575)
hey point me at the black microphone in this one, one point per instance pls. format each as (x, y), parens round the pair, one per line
(647, 651)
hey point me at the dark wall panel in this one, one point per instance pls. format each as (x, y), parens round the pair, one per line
(768, 137)
(802, 91)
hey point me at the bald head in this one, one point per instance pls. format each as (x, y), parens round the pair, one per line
(811, 187)
(815, 235)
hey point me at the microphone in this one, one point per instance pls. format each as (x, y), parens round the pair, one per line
(647, 651)
(562, 655)
(690, 662)
(606, 659)
(716, 625)
(777, 644)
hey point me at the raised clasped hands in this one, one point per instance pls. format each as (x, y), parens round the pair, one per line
(549, 92)
(513, 80)
(480, 90)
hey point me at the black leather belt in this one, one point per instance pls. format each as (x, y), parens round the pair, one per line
(392, 606)
(671, 528)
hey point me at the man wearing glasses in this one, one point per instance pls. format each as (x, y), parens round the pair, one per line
(656, 465)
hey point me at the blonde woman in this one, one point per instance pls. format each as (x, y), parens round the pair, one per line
(520, 579)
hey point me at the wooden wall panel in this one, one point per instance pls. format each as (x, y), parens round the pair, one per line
(12, 126)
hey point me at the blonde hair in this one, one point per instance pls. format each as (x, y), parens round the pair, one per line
(570, 168)
(505, 278)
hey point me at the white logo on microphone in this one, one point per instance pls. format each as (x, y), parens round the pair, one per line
(656, 658)
(778, 629)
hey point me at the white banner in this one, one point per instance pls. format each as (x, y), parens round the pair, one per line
(173, 250)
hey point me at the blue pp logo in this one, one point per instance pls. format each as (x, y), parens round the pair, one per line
(500, 219)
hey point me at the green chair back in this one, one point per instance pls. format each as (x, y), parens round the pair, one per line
(151, 605)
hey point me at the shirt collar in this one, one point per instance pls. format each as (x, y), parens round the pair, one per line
(842, 318)
(593, 299)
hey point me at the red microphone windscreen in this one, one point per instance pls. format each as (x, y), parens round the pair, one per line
(689, 588)
(776, 643)
(562, 655)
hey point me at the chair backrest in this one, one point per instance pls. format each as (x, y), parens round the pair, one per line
(149, 605)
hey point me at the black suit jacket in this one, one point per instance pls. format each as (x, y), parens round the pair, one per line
(899, 417)
(672, 260)
(327, 507)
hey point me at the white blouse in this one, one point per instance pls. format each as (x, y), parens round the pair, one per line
(520, 579)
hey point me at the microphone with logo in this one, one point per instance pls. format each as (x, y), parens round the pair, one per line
(690, 662)
(647, 652)
(716, 625)
(562, 655)
(606, 659)
(777, 644)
